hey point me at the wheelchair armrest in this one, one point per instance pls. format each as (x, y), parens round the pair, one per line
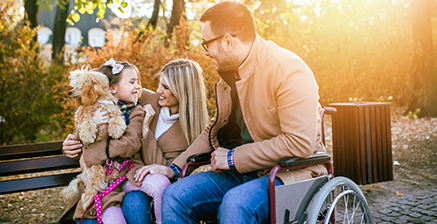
(330, 110)
(201, 157)
(195, 161)
(296, 161)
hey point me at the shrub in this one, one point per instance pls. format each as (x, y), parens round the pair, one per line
(26, 98)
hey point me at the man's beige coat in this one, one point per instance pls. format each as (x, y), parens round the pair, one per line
(279, 101)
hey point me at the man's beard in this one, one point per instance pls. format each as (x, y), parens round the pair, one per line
(227, 63)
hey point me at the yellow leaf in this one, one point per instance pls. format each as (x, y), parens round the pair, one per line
(100, 14)
(398, 193)
(75, 17)
(121, 10)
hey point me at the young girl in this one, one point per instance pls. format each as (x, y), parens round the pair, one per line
(125, 85)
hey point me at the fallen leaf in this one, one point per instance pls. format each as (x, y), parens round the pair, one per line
(399, 194)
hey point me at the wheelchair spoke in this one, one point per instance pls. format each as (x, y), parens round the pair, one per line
(346, 212)
(352, 208)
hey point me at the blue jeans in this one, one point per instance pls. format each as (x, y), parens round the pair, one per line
(136, 208)
(229, 196)
(87, 221)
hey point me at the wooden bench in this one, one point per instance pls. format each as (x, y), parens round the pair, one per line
(33, 158)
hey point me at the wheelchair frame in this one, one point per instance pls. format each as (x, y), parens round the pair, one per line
(321, 193)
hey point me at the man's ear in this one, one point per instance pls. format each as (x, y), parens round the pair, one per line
(229, 42)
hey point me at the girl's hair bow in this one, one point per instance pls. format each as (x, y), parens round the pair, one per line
(116, 68)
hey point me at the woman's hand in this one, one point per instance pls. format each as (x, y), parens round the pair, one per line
(149, 113)
(153, 169)
(82, 163)
(100, 117)
(71, 147)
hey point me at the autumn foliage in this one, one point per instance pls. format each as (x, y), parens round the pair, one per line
(358, 50)
(26, 96)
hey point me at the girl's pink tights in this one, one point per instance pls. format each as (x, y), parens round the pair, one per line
(153, 185)
(113, 215)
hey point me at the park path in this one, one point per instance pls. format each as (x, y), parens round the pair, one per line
(420, 207)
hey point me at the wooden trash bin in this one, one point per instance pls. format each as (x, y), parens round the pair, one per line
(361, 134)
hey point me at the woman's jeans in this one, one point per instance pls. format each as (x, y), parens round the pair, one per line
(137, 208)
(228, 196)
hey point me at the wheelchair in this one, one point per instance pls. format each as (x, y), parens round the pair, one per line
(325, 199)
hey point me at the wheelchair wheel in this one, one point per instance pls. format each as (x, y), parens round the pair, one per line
(340, 200)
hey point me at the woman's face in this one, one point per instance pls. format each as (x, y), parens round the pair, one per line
(166, 97)
(127, 88)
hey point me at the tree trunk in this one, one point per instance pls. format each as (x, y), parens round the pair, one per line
(31, 9)
(59, 29)
(178, 12)
(425, 97)
(154, 19)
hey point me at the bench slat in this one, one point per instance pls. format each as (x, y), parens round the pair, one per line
(36, 183)
(37, 165)
(33, 165)
(30, 150)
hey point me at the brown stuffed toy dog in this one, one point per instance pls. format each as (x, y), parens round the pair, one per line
(90, 92)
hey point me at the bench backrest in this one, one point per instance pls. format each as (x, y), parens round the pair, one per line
(33, 158)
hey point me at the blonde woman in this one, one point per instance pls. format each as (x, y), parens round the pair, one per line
(168, 129)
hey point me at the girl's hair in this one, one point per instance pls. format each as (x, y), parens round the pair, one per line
(185, 80)
(115, 78)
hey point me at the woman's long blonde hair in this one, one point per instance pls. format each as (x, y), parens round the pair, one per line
(185, 80)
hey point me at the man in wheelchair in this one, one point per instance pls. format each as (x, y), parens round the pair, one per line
(267, 109)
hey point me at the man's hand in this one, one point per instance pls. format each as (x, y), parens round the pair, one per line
(70, 147)
(219, 159)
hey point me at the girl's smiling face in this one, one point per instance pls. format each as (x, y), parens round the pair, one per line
(127, 88)
(166, 97)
